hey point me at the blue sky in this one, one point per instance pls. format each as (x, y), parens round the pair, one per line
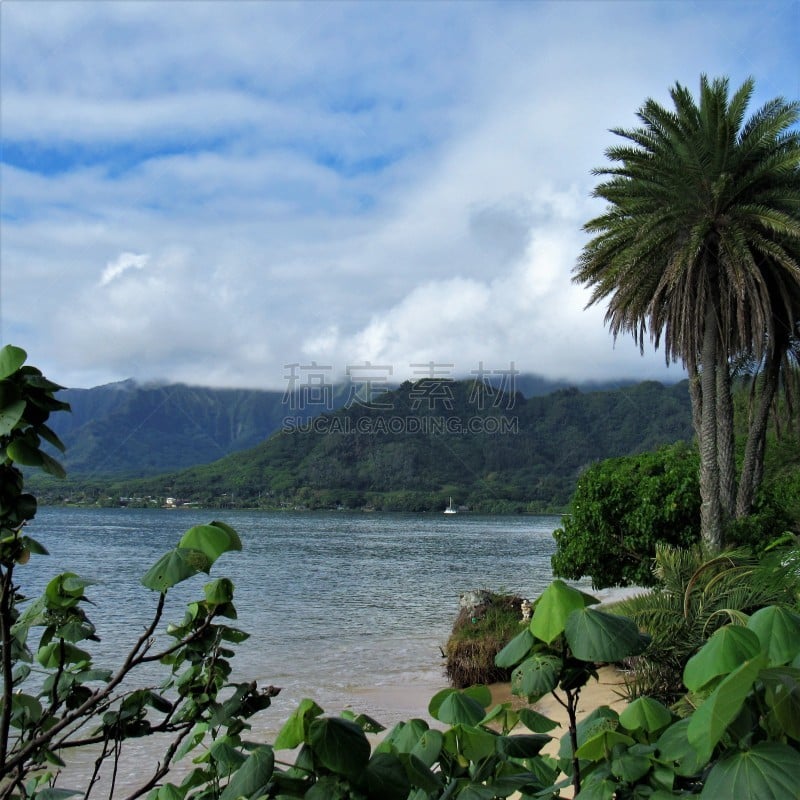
(209, 191)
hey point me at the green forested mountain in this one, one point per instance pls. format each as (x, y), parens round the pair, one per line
(128, 429)
(431, 440)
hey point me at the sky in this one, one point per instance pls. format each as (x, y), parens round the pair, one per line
(212, 192)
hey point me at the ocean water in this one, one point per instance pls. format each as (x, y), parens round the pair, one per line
(348, 608)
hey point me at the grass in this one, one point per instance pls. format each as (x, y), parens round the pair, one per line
(477, 636)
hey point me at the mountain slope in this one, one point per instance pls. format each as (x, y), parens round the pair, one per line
(127, 429)
(486, 449)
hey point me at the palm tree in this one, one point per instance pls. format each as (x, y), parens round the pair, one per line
(698, 248)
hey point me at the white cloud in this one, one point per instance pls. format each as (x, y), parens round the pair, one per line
(257, 185)
(123, 262)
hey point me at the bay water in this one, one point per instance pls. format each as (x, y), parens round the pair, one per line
(351, 609)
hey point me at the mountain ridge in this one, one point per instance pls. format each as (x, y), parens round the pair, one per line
(132, 429)
(413, 448)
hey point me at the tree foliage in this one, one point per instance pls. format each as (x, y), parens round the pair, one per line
(55, 697)
(622, 509)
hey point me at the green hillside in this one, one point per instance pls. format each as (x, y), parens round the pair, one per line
(490, 451)
(129, 430)
(126, 429)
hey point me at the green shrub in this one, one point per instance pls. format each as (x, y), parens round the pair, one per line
(695, 595)
(622, 508)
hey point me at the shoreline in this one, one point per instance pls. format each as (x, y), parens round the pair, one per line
(388, 704)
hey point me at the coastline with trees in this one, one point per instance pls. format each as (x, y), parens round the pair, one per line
(699, 250)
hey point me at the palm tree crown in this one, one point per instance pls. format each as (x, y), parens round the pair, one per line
(699, 246)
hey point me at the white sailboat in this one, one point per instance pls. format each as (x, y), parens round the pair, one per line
(451, 509)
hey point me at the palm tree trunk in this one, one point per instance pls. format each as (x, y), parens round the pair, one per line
(710, 506)
(695, 395)
(753, 463)
(725, 439)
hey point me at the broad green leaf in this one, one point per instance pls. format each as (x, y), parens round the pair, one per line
(460, 708)
(73, 584)
(386, 777)
(526, 745)
(173, 567)
(35, 379)
(406, 735)
(192, 740)
(212, 540)
(49, 435)
(599, 636)
(419, 774)
(536, 722)
(23, 452)
(295, 728)
(599, 746)
(596, 721)
(782, 696)
(228, 634)
(722, 706)
(367, 723)
(536, 676)
(251, 779)
(225, 712)
(91, 675)
(630, 767)
(437, 700)
(556, 603)
(11, 359)
(167, 792)
(479, 693)
(503, 715)
(339, 745)
(25, 709)
(727, 648)
(597, 790)
(328, 787)
(35, 547)
(476, 791)
(235, 541)
(517, 649)
(226, 755)
(219, 591)
(76, 630)
(477, 743)
(54, 793)
(66, 590)
(428, 748)
(645, 714)
(10, 415)
(52, 467)
(674, 746)
(769, 771)
(55, 654)
(778, 630)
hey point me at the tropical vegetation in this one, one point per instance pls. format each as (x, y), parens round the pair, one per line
(624, 509)
(735, 734)
(694, 595)
(700, 247)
